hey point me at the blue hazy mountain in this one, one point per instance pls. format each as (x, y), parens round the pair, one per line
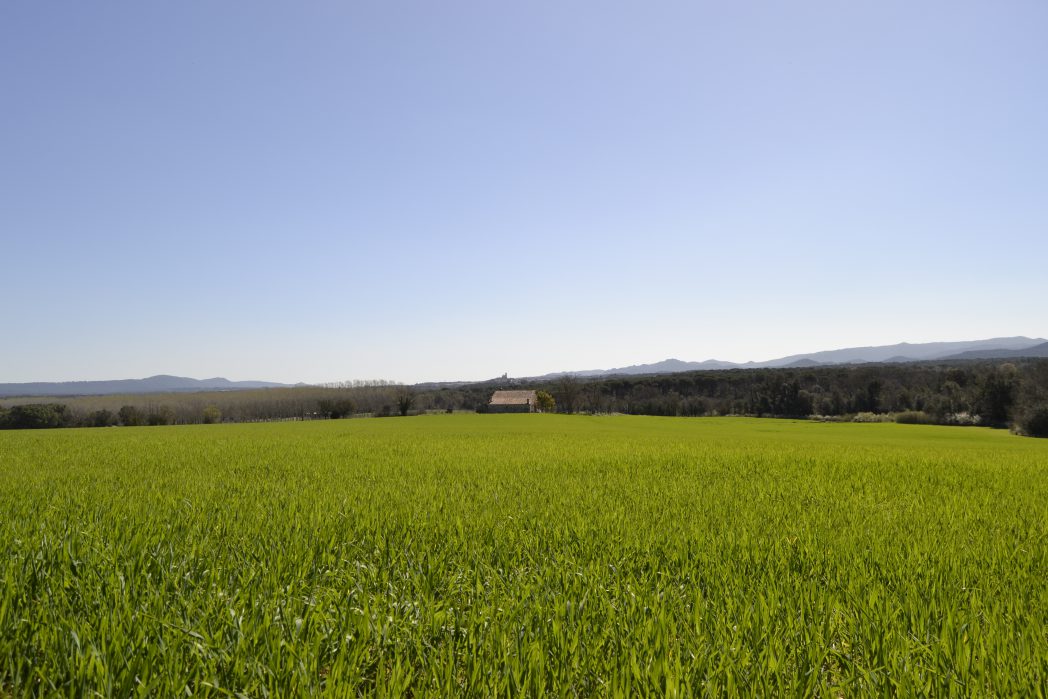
(1040, 350)
(154, 384)
(993, 348)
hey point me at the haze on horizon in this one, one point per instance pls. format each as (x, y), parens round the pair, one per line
(420, 192)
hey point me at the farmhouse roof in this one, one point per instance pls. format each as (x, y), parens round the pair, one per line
(513, 398)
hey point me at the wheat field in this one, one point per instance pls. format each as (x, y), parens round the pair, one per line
(532, 555)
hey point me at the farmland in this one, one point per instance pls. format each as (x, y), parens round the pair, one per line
(524, 554)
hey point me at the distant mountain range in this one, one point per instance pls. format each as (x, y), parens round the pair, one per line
(154, 384)
(994, 348)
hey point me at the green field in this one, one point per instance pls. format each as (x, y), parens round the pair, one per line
(524, 554)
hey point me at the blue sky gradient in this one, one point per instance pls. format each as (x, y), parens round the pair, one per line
(428, 191)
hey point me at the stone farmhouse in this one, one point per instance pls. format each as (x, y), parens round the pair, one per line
(513, 402)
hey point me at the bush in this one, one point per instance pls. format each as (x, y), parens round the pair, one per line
(964, 419)
(871, 417)
(914, 417)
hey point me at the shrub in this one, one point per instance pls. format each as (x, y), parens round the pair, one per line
(965, 419)
(914, 417)
(871, 417)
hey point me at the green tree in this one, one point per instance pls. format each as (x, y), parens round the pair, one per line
(567, 391)
(130, 416)
(545, 402)
(1031, 406)
(997, 395)
(405, 401)
(161, 416)
(102, 418)
(212, 415)
(1035, 423)
(335, 409)
(38, 416)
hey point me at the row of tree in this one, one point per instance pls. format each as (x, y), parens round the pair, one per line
(263, 405)
(993, 393)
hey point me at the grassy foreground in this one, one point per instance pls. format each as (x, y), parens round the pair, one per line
(524, 554)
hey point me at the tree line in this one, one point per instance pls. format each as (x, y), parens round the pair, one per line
(374, 398)
(991, 393)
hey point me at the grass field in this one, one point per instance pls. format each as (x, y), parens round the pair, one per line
(524, 554)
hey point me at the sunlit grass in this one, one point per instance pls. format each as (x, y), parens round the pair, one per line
(524, 554)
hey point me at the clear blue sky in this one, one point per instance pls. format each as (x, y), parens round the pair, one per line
(317, 191)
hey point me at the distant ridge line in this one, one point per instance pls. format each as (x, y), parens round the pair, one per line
(993, 348)
(161, 383)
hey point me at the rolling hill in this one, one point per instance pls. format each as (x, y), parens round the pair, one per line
(162, 383)
(993, 348)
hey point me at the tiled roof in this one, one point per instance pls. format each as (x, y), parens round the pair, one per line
(512, 398)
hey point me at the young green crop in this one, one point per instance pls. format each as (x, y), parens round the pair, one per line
(524, 554)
